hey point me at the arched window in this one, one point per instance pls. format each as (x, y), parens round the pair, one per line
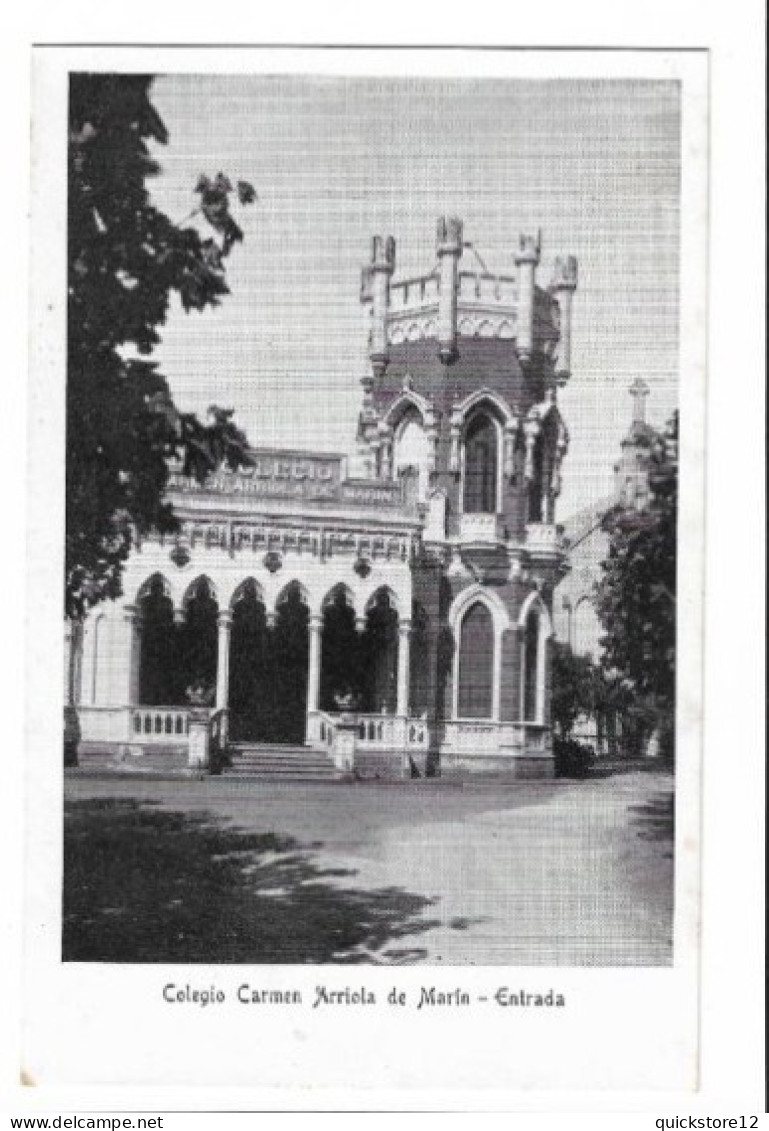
(531, 668)
(536, 484)
(475, 697)
(412, 451)
(480, 494)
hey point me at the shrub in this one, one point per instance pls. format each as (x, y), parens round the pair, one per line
(572, 759)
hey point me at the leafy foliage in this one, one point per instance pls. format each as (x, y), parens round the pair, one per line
(126, 260)
(636, 596)
(577, 688)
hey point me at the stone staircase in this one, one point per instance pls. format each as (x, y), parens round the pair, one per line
(284, 763)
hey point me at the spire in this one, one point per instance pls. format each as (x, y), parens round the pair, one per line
(639, 391)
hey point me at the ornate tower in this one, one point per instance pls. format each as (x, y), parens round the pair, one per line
(461, 404)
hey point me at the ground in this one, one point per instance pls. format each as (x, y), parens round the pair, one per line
(543, 873)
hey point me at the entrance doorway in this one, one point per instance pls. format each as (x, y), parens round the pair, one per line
(268, 667)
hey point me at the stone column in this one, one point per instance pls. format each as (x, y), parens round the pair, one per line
(543, 697)
(377, 276)
(563, 287)
(224, 621)
(313, 675)
(526, 260)
(68, 662)
(133, 620)
(449, 249)
(404, 657)
(73, 634)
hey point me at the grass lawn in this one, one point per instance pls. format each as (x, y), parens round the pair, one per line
(573, 873)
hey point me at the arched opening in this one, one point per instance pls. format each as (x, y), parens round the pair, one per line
(198, 641)
(533, 660)
(420, 668)
(290, 665)
(340, 674)
(251, 685)
(475, 691)
(481, 457)
(379, 655)
(540, 485)
(160, 680)
(411, 455)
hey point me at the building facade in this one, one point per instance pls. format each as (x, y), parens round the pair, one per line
(397, 620)
(575, 620)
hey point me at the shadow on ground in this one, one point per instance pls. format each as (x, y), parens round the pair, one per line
(655, 819)
(143, 884)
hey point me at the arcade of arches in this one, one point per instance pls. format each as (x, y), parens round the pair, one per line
(270, 669)
(261, 665)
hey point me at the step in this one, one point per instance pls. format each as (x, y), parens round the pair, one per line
(288, 763)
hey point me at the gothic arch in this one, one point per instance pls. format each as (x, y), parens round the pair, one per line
(382, 591)
(494, 401)
(289, 589)
(248, 587)
(534, 600)
(537, 629)
(482, 462)
(337, 592)
(156, 584)
(196, 587)
(460, 609)
(406, 401)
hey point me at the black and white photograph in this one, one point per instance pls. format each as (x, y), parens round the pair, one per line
(374, 387)
(371, 520)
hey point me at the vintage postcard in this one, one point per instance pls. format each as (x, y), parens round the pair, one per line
(367, 726)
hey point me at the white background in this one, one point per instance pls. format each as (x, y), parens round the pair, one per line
(732, 983)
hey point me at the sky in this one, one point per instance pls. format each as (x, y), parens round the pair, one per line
(593, 164)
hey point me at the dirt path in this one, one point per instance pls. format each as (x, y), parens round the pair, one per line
(571, 873)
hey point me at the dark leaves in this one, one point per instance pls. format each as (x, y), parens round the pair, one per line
(125, 261)
(636, 597)
(246, 193)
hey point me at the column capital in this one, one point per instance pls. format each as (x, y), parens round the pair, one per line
(316, 622)
(404, 627)
(224, 618)
(132, 614)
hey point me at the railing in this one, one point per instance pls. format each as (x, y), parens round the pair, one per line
(372, 732)
(379, 732)
(478, 736)
(218, 729)
(544, 537)
(475, 737)
(480, 528)
(159, 725)
(417, 734)
(321, 730)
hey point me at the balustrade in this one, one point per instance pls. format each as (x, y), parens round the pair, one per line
(544, 537)
(372, 732)
(157, 725)
(480, 528)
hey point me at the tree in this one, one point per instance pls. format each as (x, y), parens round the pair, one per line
(576, 688)
(126, 260)
(636, 596)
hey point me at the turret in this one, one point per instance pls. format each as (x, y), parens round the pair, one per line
(526, 260)
(562, 288)
(631, 472)
(449, 248)
(375, 289)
